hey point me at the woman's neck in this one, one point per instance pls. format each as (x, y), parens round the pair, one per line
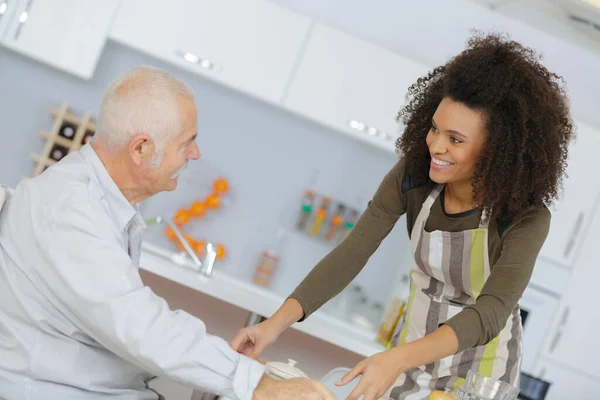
(458, 197)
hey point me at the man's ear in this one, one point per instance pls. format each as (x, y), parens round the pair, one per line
(141, 148)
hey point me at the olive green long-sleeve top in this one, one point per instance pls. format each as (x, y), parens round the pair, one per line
(513, 248)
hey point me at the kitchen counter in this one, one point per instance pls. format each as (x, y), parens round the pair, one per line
(257, 300)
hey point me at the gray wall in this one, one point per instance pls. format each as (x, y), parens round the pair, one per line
(269, 156)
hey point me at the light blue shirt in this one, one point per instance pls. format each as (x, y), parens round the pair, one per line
(76, 321)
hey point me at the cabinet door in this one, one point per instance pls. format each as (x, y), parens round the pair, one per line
(574, 339)
(352, 86)
(66, 34)
(571, 215)
(538, 308)
(250, 45)
(567, 383)
(7, 11)
(151, 26)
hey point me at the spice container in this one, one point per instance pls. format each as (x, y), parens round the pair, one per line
(395, 310)
(268, 262)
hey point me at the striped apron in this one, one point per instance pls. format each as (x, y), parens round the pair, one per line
(449, 273)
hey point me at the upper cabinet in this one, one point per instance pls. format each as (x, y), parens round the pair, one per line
(571, 214)
(249, 45)
(66, 34)
(7, 10)
(351, 85)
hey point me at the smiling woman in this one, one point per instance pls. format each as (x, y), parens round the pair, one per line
(483, 155)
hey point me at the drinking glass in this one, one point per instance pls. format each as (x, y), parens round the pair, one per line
(479, 387)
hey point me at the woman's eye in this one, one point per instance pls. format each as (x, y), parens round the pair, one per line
(434, 129)
(455, 140)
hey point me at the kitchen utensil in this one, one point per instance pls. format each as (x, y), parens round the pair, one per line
(479, 387)
(283, 371)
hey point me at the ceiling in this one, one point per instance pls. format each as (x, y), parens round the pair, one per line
(553, 18)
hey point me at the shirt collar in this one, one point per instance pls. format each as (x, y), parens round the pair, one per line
(123, 212)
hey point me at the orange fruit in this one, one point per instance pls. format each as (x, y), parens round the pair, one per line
(170, 233)
(221, 186)
(220, 251)
(198, 209)
(198, 247)
(213, 201)
(182, 217)
(188, 239)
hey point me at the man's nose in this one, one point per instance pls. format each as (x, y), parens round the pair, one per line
(195, 154)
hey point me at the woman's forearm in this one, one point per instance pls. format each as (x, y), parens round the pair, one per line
(289, 313)
(438, 344)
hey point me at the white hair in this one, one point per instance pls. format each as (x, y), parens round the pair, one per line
(141, 100)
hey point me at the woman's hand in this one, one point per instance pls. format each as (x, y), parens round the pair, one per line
(252, 341)
(379, 372)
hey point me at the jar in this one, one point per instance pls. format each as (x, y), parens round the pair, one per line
(282, 371)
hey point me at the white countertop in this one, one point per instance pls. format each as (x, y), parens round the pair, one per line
(250, 297)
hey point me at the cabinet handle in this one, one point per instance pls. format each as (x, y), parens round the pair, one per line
(574, 234)
(202, 62)
(22, 19)
(555, 340)
(558, 335)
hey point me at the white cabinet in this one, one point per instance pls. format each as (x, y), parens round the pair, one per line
(538, 308)
(352, 85)
(250, 45)
(566, 383)
(66, 34)
(571, 215)
(7, 10)
(574, 339)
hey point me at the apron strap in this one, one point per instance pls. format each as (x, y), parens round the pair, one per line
(484, 222)
(426, 209)
(424, 213)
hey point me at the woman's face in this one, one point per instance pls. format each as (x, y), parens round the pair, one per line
(455, 140)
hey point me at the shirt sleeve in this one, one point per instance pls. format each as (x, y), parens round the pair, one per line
(480, 323)
(337, 269)
(92, 276)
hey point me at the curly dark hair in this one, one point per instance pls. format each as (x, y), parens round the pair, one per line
(529, 126)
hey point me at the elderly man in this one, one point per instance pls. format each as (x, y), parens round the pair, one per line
(76, 321)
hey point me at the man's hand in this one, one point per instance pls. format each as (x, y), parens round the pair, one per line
(291, 389)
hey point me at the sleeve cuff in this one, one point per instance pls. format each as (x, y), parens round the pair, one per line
(306, 309)
(247, 375)
(465, 326)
